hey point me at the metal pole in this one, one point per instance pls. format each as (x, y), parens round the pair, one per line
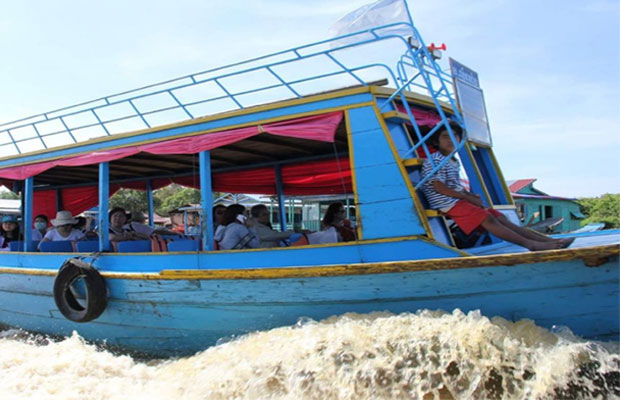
(104, 194)
(280, 192)
(27, 213)
(206, 199)
(149, 197)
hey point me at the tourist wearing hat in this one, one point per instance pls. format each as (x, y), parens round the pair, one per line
(9, 231)
(63, 228)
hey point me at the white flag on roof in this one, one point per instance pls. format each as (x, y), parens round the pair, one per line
(382, 12)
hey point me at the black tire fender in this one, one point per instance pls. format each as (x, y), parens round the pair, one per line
(96, 291)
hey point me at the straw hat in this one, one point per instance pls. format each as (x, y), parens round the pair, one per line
(63, 218)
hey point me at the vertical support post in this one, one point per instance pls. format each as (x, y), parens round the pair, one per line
(149, 198)
(280, 192)
(206, 199)
(27, 212)
(347, 208)
(104, 194)
(58, 199)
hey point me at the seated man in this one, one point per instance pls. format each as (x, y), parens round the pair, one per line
(445, 193)
(266, 235)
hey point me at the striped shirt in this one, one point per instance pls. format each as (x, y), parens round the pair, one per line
(448, 175)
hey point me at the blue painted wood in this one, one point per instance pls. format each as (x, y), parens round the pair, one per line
(280, 194)
(386, 208)
(28, 217)
(490, 175)
(149, 199)
(181, 317)
(60, 246)
(258, 258)
(223, 123)
(104, 194)
(134, 246)
(183, 245)
(87, 246)
(206, 200)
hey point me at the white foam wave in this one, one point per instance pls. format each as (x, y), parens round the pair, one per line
(354, 356)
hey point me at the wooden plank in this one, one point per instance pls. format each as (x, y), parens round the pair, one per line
(412, 162)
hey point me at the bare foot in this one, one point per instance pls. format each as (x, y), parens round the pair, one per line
(537, 246)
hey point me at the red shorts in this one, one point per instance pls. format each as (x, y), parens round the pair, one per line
(468, 216)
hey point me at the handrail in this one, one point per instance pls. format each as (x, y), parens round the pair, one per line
(91, 119)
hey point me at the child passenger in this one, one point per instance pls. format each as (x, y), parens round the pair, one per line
(445, 193)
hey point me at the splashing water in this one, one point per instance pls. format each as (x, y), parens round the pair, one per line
(355, 356)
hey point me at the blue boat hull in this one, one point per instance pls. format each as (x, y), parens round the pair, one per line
(179, 317)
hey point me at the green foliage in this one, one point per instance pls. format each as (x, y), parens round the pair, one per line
(165, 199)
(601, 209)
(175, 196)
(8, 195)
(131, 200)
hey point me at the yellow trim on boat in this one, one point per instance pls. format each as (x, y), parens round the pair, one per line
(404, 174)
(358, 211)
(501, 177)
(412, 162)
(592, 256)
(477, 170)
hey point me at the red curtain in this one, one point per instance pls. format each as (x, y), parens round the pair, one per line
(311, 178)
(317, 127)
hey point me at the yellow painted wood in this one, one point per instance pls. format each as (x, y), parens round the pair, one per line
(360, 220)
(592, 256)
(432, 213)
(401, 116)
(412, 162)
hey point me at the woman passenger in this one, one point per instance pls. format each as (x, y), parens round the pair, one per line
(9, 231)
(120, 230)
(218, 215)
(335, 217)
(63, 228)
(40, 227)
(236, 234)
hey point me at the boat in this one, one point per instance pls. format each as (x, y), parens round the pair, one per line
(284, 130)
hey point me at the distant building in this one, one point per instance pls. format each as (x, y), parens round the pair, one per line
(541, 210)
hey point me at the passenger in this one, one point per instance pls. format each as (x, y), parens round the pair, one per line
(121, 231)
(9, 231)
(218, 215)
(333, 223)
(335, 217)
(40, 227)
(234, 233)
(63, 228)
(193, 224)
(266, 235)
(445, 193)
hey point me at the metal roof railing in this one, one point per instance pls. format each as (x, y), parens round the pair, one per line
(282, 74)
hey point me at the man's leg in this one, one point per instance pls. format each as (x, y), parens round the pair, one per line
(528, 233)
(503, 232)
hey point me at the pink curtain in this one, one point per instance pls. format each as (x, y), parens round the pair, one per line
(318, 127)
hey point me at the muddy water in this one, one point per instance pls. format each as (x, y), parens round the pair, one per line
(355, 356)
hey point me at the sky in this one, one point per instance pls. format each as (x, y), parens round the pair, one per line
(550, 69)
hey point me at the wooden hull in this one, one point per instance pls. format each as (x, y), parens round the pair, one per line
(181, 312)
